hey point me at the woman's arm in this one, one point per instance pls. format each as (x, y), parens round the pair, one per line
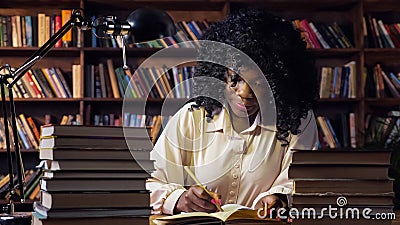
(166, 184)
(172, 151)
(307, 139)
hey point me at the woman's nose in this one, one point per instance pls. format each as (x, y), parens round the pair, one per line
(243, 90)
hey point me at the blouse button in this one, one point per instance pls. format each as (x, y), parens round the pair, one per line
(232, 193)
(235, 176)
(234, 184)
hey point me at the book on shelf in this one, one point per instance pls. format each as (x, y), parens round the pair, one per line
(43, 83)
(380, 129)
(319, 36)
(342, 125)
(76, 81)
(61, 77)
(386, 40)
(65, 17)
(311, 35)
(338, 81)
(327, 132)
(23, 137)
(113, 79)
(231, 213)
(390, 85)
(395, 80)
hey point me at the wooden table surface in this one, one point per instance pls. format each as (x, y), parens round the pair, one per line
(395, 222)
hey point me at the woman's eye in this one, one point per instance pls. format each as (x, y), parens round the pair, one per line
(233, 83)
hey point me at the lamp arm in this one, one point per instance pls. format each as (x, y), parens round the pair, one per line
(76, 20)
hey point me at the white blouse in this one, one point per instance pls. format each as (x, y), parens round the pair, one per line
(241, 167)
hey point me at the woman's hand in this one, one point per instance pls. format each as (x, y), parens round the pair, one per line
(274, 202)
(195, 200)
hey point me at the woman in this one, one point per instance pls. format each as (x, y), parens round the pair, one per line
(225, 143)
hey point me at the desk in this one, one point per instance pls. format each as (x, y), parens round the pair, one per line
(394, 222)
(240, 222)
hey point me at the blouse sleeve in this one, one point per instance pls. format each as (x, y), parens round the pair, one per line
(166, 183)
(307, 139)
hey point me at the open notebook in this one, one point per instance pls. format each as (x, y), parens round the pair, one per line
(231, 213)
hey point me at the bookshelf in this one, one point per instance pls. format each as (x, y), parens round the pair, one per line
(347, 13)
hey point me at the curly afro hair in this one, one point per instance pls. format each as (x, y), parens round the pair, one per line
(278, 50)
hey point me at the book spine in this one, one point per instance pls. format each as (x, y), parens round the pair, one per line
(28, 87)
(36, 88)
(28, 131)
(352, 125)
(33, 127)
(113, 78)
(28, 31)
(39, 76)
(65, 17)
(102, 80)
(57, 26)
(64, 83)
(23, 135)
(76, 81)
(319, 36)
(57, 82)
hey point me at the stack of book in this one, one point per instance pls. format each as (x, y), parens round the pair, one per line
(94, 175)
(341, 187)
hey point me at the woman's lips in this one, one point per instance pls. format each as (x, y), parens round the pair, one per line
(240, 106)
(243, 107)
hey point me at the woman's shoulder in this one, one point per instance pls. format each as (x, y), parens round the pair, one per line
(190, 111)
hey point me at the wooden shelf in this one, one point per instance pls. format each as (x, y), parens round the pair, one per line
(173, 5)
(340, 100)
(139, 52)
(335, 52)
(381, 5)
(27, 4)
(386, 102)
(301, 5)
(35, 151)
(47, 100)
(28, 51)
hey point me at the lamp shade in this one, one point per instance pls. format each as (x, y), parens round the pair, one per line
(149, 24)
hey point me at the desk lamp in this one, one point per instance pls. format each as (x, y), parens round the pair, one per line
(143, 24)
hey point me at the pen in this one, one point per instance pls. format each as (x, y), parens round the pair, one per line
(213, 195)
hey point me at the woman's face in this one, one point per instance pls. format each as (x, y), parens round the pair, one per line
(240, 96)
